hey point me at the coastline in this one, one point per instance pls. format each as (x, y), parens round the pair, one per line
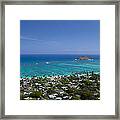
(52, 76)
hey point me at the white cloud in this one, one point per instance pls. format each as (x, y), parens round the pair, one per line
(28, 38)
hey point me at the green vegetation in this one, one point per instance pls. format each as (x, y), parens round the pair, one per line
(73, 87)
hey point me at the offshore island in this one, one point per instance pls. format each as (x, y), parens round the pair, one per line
(76, 86)
(59, 59)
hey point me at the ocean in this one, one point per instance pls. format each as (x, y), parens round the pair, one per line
(53, 64)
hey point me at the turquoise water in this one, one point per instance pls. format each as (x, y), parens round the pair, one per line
(52, 65)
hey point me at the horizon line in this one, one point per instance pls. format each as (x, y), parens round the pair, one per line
(60, 54)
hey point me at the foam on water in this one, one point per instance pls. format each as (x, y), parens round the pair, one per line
(51, 65)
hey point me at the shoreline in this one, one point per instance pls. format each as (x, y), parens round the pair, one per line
(51, 76)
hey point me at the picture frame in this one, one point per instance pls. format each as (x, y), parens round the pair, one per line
(2, 56)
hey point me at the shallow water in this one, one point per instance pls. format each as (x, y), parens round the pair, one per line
(39, 65)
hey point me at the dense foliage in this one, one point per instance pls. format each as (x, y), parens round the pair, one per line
(73, 87)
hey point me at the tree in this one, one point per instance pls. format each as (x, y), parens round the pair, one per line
(36, 94)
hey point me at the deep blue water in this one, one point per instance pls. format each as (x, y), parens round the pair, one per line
(39, 65)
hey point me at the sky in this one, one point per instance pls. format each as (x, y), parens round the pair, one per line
(59, 37)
